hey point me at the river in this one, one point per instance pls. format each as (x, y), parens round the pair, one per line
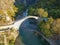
(26, 32)
(27, 35)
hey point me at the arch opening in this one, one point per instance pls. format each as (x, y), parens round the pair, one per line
(19, 22)
(27, 28)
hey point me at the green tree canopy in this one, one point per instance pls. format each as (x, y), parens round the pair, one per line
(42, 13)
(51, 29)
(51, 6)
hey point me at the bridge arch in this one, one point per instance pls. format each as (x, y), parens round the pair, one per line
(18, 23)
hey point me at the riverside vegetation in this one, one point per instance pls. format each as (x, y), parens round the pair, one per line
(50, 10)
(7, 13)
(8, 37)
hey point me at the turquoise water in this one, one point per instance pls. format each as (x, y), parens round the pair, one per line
(26, 34)
(28, 37)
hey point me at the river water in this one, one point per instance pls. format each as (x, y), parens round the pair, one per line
(26, 33)
(27, 36)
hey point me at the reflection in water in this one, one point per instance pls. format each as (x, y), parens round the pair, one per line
(28, 37)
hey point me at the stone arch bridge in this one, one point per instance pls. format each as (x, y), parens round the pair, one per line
(18, 23)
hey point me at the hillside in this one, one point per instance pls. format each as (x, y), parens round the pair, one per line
(7, 11)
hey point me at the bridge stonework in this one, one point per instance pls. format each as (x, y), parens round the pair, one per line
(18, 23)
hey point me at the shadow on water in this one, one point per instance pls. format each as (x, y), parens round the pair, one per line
(27, 36)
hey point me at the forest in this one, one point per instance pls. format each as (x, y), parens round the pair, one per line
(50, 10)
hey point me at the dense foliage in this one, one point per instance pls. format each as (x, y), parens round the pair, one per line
(8, 36)
(45, 27)
(38, 12)
(7, 8)
(51, 29)
(51, 6)
(51, 10)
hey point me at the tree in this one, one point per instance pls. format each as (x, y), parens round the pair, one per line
(8, 9)
(31, 11)
(56, 30)
(42, 13)
(45, 28)
(51, 29)
(50, 20)
(51, 6)
(37, 12)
